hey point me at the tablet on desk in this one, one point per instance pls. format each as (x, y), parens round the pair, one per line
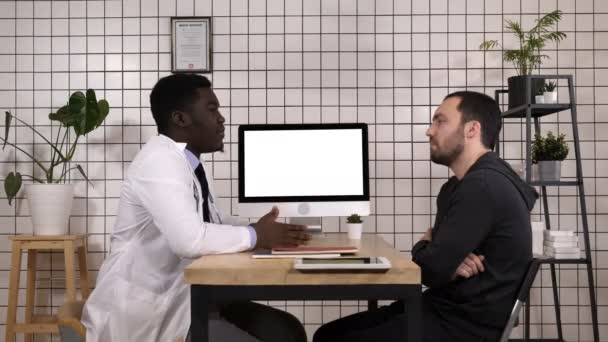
(358, 263)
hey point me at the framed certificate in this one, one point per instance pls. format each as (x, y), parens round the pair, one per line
(191, 44)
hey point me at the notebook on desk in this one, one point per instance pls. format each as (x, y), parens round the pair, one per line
(267, 254)
(316, 250)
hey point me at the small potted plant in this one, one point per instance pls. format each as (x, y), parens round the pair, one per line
(49, 197)
(540, 97)
(550, 93)
(547, 155)
(527, 56)
(354, 226)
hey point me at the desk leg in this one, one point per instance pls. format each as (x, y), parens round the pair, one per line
(413, 316)
(372, 304)
(199, 312)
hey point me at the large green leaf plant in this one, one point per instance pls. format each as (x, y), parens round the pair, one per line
(528, 56)
(83, 113)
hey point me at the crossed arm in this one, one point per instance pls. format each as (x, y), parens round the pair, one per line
(448, 251)
(471, 266)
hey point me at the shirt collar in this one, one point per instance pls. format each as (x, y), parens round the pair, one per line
(192, 159)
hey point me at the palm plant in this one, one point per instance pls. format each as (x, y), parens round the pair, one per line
(528, 56)
(83, 113)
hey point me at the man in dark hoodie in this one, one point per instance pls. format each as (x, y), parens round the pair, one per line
(476, 254)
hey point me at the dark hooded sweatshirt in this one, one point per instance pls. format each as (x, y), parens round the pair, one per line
(487, 213)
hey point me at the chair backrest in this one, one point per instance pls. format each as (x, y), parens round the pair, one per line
(522, 297)
(70, 327)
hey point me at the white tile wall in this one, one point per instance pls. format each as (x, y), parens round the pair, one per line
(387, 63)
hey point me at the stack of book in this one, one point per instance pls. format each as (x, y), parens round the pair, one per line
(561, 244)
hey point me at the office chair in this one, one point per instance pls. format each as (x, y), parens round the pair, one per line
(522, 298)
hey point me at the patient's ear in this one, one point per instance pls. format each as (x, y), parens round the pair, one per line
(472, 129)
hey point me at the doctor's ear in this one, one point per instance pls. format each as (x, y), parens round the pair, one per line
(180, 119)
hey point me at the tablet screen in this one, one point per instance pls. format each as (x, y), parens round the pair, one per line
(365, 260)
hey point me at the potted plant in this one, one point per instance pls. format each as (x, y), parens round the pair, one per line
(547, 155)
(527, 57)
(49, 197)
(540, 97)
(354, 226)
(550, 93)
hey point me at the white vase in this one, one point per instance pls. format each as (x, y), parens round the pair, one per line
(550, 97)
(354, 230)
(50, 207)
(539, 99)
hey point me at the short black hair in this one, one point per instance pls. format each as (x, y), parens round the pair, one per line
(174, 92)
(480, 107)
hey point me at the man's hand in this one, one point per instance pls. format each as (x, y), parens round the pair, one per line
(275, 234)
(428, 235)
(471, 266)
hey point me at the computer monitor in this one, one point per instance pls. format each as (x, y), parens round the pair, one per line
(306, 170)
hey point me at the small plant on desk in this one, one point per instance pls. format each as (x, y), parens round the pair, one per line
(354, 218)
(354, 225)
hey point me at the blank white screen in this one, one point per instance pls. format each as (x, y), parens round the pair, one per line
(303, 163)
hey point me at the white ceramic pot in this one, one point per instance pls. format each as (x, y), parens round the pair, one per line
(550, 97)
(539, 99)
(50, 207)
(354, 230)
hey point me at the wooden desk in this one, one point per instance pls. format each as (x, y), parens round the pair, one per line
(218, 278)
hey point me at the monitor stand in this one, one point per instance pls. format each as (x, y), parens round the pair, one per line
(313, 223)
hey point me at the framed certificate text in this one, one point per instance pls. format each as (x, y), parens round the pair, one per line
(191, 44)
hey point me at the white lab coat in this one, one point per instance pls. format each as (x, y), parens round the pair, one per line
(140, 293)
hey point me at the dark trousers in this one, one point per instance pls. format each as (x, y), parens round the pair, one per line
(377, 325)
(263, 322)
(385, 325)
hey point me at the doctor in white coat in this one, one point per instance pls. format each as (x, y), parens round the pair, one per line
(166, 218)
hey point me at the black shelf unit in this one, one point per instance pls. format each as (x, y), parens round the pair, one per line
(538, 110)
(532, 113)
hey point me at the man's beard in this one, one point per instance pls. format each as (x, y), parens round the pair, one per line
(449, 156)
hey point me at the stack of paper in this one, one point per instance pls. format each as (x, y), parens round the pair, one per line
(561, 244)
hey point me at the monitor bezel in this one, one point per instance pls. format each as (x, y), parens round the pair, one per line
(282, 127)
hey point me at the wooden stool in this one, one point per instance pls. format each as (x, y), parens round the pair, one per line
(42, 323)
